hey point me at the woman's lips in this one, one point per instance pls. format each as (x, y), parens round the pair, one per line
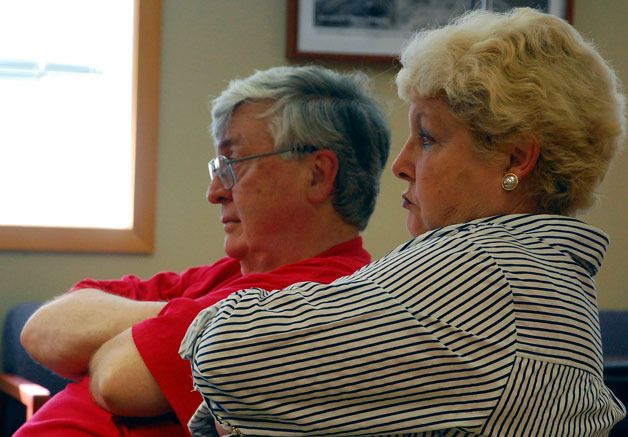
(406, 202)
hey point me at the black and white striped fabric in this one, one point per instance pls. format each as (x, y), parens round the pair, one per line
(486, 328)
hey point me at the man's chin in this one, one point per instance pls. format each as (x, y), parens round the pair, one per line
(234, 249)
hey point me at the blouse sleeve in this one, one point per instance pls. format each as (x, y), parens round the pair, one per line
(349, 357)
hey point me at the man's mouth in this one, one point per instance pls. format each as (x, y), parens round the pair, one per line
(228, 222)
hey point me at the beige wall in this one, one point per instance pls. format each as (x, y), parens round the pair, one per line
(205, 43)
(603, 21)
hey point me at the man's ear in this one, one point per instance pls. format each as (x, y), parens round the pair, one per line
(524, 156)
(324, 171)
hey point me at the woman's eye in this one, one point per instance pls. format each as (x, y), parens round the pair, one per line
(426, 139)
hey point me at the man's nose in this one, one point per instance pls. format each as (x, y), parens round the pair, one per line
(216, 193)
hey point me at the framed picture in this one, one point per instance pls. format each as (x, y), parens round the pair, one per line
(375, 30)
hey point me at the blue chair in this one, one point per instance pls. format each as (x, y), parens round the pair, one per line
(614, 326)
(25, 385)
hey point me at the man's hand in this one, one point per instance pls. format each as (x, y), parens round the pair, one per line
(64, 334)
(121, 382)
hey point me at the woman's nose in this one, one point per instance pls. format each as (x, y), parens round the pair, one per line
(403, 165)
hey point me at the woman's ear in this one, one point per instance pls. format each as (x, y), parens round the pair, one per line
(324, 170)
(524, 156)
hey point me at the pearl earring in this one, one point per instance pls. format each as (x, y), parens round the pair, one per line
(510, 181)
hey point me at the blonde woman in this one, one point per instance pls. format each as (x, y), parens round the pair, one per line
(486, 322)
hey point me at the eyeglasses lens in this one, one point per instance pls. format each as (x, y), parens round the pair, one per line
(220, 167)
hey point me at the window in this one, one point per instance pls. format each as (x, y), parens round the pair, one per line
(79, 81)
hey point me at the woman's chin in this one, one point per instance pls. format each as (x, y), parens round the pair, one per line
(415, 227)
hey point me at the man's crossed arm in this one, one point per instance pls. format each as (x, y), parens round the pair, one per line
(89, 332)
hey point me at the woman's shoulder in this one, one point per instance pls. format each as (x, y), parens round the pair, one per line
(516, 233)
(554, 229)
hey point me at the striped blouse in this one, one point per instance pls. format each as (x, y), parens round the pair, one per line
(486, 328)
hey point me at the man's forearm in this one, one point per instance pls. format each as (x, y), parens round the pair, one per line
(121, 382)
(64, 334)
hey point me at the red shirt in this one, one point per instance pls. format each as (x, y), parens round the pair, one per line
(72, 412)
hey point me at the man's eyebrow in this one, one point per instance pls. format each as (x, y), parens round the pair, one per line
(225, 145)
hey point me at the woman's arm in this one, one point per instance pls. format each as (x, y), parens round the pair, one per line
(355, 357)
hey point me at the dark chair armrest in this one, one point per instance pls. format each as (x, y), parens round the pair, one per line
(31, 395)
(616, 365)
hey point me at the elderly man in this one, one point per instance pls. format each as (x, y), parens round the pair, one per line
(300, 152)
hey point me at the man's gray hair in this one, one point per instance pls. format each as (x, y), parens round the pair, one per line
(318, 107)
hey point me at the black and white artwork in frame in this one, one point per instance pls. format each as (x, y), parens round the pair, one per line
(375, 30)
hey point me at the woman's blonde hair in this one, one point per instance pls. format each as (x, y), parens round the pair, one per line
(525, 75)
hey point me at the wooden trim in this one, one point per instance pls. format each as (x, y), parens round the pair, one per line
(41, 239)
(569, 13)
(146, 122)
(31, 395)
(140, 238)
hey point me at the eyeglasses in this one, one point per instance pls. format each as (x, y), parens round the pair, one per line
(222, 166)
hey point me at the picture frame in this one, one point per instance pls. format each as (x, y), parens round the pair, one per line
(374, 32)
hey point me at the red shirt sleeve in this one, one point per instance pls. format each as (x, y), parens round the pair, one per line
(165, 286)
(158, 339)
